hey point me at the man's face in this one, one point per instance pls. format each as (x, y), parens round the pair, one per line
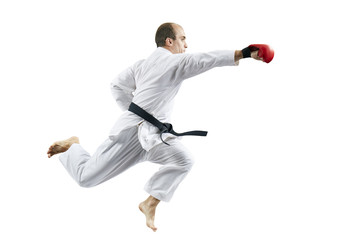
(179, 45)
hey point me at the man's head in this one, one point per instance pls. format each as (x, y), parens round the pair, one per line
(172, 37)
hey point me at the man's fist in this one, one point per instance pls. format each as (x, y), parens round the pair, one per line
(264, 52)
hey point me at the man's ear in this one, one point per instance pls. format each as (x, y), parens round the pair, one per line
(169, 42)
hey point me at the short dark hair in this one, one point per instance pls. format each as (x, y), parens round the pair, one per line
(165, 31)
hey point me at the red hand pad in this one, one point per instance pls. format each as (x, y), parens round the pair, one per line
(265, 51)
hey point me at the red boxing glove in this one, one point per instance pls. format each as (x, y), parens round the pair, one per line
(265, 51)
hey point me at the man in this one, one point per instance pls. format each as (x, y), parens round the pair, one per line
(152, 84)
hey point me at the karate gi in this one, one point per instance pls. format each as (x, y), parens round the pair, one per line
(152, 84)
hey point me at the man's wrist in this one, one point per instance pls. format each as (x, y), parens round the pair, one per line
(246, 52)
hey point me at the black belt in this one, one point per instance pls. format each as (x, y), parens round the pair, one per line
(163, 127)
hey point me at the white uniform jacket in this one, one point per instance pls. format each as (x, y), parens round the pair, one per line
(154, 82)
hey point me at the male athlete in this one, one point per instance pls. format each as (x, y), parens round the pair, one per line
(146, 91)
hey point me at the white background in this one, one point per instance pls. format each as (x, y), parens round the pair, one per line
(281, 160)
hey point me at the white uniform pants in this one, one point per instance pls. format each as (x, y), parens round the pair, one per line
(115, 156)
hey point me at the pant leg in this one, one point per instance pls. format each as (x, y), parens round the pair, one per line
(110, 159)
(176, 161)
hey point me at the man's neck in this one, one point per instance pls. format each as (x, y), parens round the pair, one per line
(167, 48)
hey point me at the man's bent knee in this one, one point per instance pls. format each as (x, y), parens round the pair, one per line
(85, 183)
(187, 164)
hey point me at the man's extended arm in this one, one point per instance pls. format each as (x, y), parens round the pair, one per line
(190, 65)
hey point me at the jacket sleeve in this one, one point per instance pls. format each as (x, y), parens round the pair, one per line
(191, 65)
(123, 86)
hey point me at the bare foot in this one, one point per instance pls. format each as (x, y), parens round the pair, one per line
(61, 146)
(148, 208)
